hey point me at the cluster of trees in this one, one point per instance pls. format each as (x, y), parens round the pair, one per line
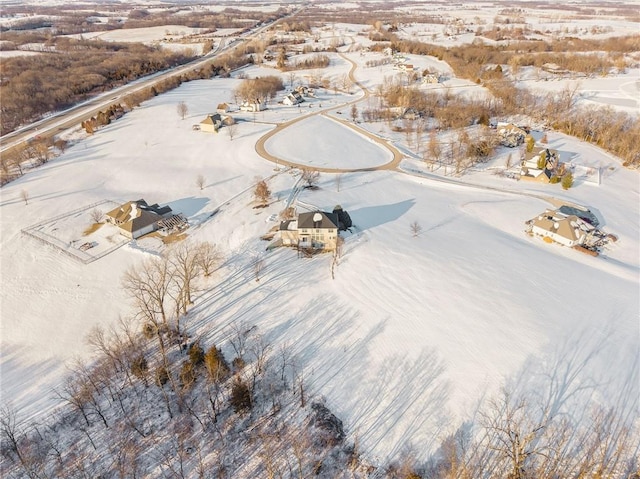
(177, 406)
(15, 161)
(261, 88)
(316, 61)
(35, 85)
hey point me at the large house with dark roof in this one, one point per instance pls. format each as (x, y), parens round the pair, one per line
(137, 218)
(317, 230)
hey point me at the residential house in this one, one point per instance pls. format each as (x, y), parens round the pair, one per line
(510, 135)
(317, 230)
(211, 123)
(430, 79)
(293, 98)
(137, 218)
(253, 105)
(223, 108)
(541, 164)
(289, 232)
(568, 230)
(305, 91)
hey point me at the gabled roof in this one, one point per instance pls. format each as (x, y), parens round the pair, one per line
(317, 220)
(212, 119)
(570, 227)
(135, 215)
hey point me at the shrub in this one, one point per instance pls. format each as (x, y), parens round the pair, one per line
(567, 180)
(240, 396)
(216, 364)
(238, 364)
(196, 354)
(554, 179)
(139, 367)
(162, 376)
(187, 374)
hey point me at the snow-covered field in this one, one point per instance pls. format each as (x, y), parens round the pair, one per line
(412, 331)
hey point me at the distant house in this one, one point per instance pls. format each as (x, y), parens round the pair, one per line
(223, 108)
(568, 230)
(137, 218)
(304, 91)
(541, 164)
(293, 98)
(253, 105)
(430, 79)
(211, 123)
(510, 135)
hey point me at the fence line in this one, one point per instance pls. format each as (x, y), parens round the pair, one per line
(67, 248)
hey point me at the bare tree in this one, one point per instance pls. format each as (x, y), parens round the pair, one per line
(354, 112)
(338, 181)
(416, 229)
(258, 265)
(183, 260)
(200, 181)
(208, 257)
(24, 195)
(310, 177)
(434, 148)
(232, 129)
(262, 193)
(182, 109)
(97, 215)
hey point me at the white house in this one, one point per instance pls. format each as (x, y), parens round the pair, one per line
(293, 98)
(253, 105)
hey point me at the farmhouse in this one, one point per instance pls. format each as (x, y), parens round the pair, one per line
(137, 218)
(568, 230)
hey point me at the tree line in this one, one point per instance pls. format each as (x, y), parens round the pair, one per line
(35, 85)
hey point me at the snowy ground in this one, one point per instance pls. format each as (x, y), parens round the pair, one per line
(411, 330)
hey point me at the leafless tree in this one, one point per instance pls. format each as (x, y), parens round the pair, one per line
(232, 129)
(508, 162)
(262, 193)
(24, 195)
(200, 181)
(338, 181)
(182, 109)
(97, 215)
(149, 284)
(183, 260)
(416, 229)
(310, 177)
(354, 112)
(258, 265)
(434, 148)
(208, 257)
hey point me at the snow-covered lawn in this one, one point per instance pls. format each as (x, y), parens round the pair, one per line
(412, 331)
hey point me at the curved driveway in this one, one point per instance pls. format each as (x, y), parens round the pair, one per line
(392, 165)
